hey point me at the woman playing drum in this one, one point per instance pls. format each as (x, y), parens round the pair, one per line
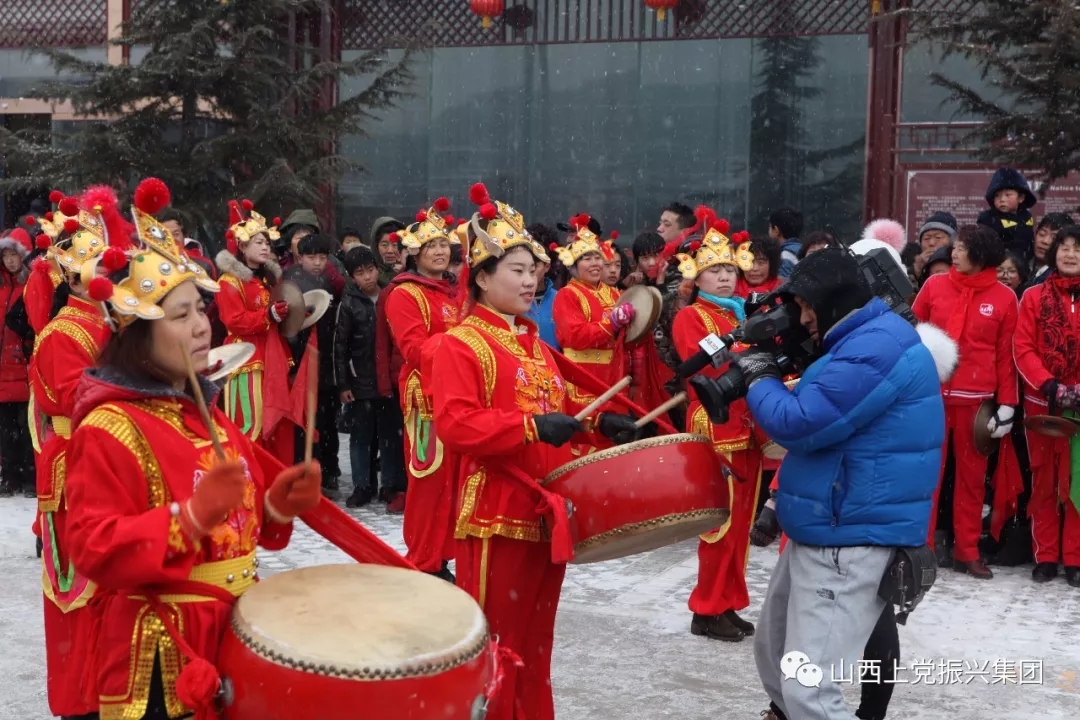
(256, 395)
(714, 267)
(1047, 351)
(501, 403)
(421, 307)
(161, 518)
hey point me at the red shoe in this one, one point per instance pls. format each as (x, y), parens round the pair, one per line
(396, 506)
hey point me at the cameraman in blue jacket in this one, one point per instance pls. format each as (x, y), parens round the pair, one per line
(863, 430)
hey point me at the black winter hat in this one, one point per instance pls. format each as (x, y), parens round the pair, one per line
(594, 226)
(1010, 179)
(941, 220)
(830, 281)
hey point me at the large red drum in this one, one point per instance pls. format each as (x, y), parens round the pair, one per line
(338, 642)
(642, 496)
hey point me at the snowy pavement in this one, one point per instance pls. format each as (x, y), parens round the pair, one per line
(623, 647)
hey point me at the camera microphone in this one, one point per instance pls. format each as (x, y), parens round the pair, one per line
(714, 351)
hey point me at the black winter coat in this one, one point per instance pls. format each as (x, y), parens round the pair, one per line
(354, 345)
(1016, 230)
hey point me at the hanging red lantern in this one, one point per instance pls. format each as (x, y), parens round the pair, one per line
(661, 7)
(487, 9)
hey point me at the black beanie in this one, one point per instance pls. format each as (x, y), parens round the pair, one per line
(830, 281)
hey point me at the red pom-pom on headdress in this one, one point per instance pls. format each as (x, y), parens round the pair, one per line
(230, 235)
(442, 205)
(71, 225)
(49, 216)
(68, 206)
(740, 237)
(488, 211)
(100, 289)
(478, 194)
(247, 204)
(421, 216)
(55, 196)
(395, 238)
(277, 221)
(43, 241)
(579, 222)
(114, 259)
(695, 246)
(553, 247)
(30, 221)
(151, 196)
(722, 226)
(448, 219)
(614, 234)
(102, 200)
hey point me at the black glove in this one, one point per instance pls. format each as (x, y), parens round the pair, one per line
(765, 529)
(619, 429)
(757, 365)
(556, 428)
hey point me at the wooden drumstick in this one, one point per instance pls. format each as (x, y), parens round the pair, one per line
(677, 400)
(200, 401)
(312, 394)
(598, 402)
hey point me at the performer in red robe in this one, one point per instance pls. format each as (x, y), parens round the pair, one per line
(714, 265)
(502, 403)
(979, 314)
(588, 326)
(1047, 351)
(63, 349)
(421, 307)
(257, 394)
(165, 527)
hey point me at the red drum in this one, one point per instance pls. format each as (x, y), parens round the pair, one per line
(338, 642)
(643, 495)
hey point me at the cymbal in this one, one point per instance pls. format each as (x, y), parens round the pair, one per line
(647, 303)
(225, 360)
(289, 292)
(316, 303)
(984, 444)
(1052, 426)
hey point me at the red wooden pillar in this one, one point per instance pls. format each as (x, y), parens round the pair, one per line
(887, 36)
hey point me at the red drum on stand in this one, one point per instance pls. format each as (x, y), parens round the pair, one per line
(643, 495)
(339, 642)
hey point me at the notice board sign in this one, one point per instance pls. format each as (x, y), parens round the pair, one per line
(963, 193)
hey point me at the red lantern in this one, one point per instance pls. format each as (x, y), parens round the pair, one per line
(487, 9)
(661, 7)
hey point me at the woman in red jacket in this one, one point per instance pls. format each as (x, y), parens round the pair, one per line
(1047, 350)
(979, 314)
(715, 267)
(16, 450)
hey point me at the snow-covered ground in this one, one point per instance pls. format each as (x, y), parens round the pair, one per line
(623, 647)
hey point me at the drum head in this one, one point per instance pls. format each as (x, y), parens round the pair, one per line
(316, 303)
(1056, 427)
(369, 621)
(984, 444)
(772, 451)
(647, 303)
(225, 360)
(289, 292)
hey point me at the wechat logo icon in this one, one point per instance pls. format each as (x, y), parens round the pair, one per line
(796, 665)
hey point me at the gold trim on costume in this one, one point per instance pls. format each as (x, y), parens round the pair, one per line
(421, 300)
(171, 413)
(484, 355)
(653, 524)
(122, 427)
(61, 426)
(74, 331)
(484, 548)
(529, 530)
(148, 640)
(58, 480)
(592, 356)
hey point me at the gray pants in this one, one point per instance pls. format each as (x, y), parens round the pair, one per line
(823, 603)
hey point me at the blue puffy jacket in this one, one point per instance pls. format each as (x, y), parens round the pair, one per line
(863, 430)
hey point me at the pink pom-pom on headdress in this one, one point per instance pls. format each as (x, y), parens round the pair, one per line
(887, 231)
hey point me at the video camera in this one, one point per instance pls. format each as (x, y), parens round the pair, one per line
(772, 325)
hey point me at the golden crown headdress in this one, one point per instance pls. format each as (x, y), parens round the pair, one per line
(242, 229)
(430, 224)
(584, 243)
(155, 266)
(716, 248)
(505, 229)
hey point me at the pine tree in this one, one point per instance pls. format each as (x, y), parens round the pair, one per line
(1029, 56)
(225, 104)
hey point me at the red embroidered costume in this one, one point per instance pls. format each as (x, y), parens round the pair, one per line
(723, 553)
(257, 394)
(419, 310)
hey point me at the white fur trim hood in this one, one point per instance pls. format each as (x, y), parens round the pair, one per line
(945, 352)
(229, 263)
(8, 243)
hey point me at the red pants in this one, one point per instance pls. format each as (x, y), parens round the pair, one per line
(970, 486)
(430, 506)
(65, 659)
(721, 584)
(516, 584)
(1049, 467)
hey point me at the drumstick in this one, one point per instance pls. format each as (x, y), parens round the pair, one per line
(663, 408)
(608, 394)
(200, 401)
(312, 393)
